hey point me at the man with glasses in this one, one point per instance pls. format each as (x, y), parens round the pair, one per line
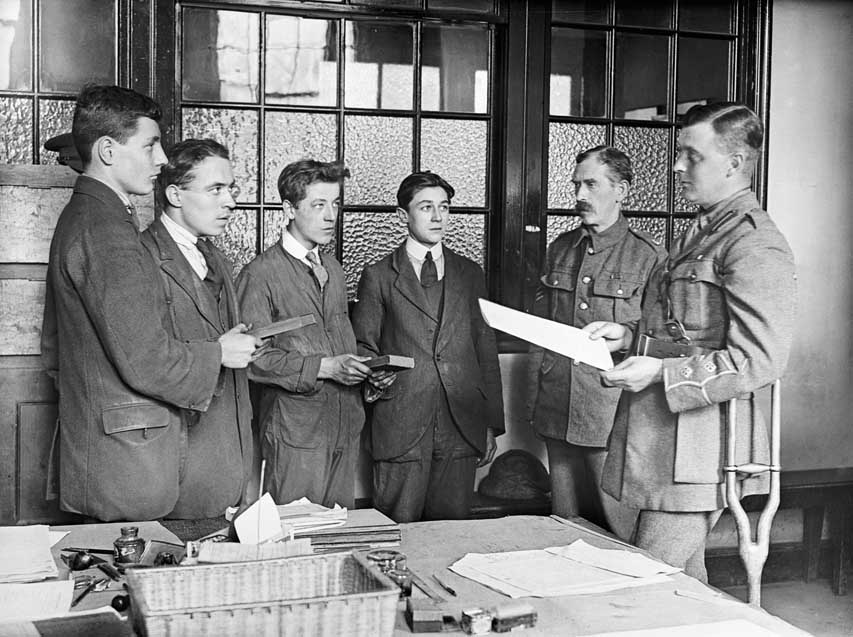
(123, 377)
(196, 194)
(716, 325)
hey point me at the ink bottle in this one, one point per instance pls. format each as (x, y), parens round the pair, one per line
(128, 548)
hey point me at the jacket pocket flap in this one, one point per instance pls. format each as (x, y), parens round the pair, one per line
(616, 285)
(559, 280)
(698, 270)
(132, 416)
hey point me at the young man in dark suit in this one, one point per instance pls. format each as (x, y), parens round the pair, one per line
(196, 193)
(123, 378)
(437, 422)
(310, 410)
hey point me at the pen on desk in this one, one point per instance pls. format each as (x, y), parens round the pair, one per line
(94, 585)
(444, 585)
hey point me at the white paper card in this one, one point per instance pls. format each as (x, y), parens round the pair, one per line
(557, 337)
(259, 523)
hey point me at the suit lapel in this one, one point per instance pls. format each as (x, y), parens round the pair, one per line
(407, 282)
(173, 263)
(453, 286)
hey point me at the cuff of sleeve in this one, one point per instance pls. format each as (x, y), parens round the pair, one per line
(308, 380)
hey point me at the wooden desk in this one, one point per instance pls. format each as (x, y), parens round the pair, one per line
(432, 546)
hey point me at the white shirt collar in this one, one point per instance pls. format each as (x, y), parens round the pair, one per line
(419, 251)
(181, 235)
(296, 249)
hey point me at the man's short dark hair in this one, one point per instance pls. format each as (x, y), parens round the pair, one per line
(297, 176)
(618, 163)
(737, 127)
(416, 182)
(183, 159)
(111, 111)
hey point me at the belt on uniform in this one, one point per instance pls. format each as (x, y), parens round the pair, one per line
(656, 348)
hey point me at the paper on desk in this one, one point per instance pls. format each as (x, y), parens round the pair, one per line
(613, 560)
(25, 554)
(729, 628)
(557, 337)
(539, 573)
(303, 516)
(32, 601)
(259, 523)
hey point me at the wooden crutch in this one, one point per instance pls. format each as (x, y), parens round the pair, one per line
(753, 553)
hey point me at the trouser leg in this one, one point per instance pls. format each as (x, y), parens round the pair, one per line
(400, 484)
(621, 519)
(677, 538)
(567, 470)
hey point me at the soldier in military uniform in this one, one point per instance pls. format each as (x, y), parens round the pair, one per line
(716, 325)
(596, 272)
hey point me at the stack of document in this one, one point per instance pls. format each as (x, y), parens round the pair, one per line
(25, 554)
(576, 569)
(364, 529)
(303, 517)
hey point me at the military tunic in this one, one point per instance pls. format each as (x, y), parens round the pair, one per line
(587, 277)
(731, 282)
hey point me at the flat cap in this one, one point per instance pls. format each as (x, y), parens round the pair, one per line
(64, 145)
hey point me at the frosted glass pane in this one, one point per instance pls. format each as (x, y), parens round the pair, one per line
(680, 225)
(378, 153)
(368, 236)
(16, 45)
(273, 225)
(565, 142)
(379, 65)
(558, 224)
(703, 72)
(466, 234)
(55, 118)
(238, 131)
(655, 226)
(301, 66)
(578, 71)
(648, 150)
(455, 64)
(456, 149)
(292, 136)
(239, 241)
(640, 78)
(77, 44)
(219, 61)
(16, 122)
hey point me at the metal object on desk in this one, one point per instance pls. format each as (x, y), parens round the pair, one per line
(95, 586)
(754, 553)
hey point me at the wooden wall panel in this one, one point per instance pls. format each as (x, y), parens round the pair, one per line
(21, 307)
(26, 225)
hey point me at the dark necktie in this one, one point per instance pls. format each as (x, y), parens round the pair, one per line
(429, 273)
(213, 275)
(317, 268)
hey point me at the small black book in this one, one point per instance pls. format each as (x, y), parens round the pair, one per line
(390, 362)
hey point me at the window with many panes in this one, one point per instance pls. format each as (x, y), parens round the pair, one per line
(48, 50)
(387, 93)
(621, 73)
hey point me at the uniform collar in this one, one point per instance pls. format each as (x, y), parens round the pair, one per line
(741, 201)
(606, 238)
(296, 249)
(124, 199)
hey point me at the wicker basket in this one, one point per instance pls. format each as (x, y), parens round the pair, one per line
(332, 594)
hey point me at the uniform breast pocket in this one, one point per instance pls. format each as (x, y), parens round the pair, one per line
(617, 296)
(559, 285)
(697, 294)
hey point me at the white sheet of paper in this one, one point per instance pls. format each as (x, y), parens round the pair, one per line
(613, 560)
(33, 601)
(557, 337)
(259, 523)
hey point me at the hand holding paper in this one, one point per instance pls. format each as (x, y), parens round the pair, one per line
(557, 337)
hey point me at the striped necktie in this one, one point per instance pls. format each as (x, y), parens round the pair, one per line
(317, 268)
